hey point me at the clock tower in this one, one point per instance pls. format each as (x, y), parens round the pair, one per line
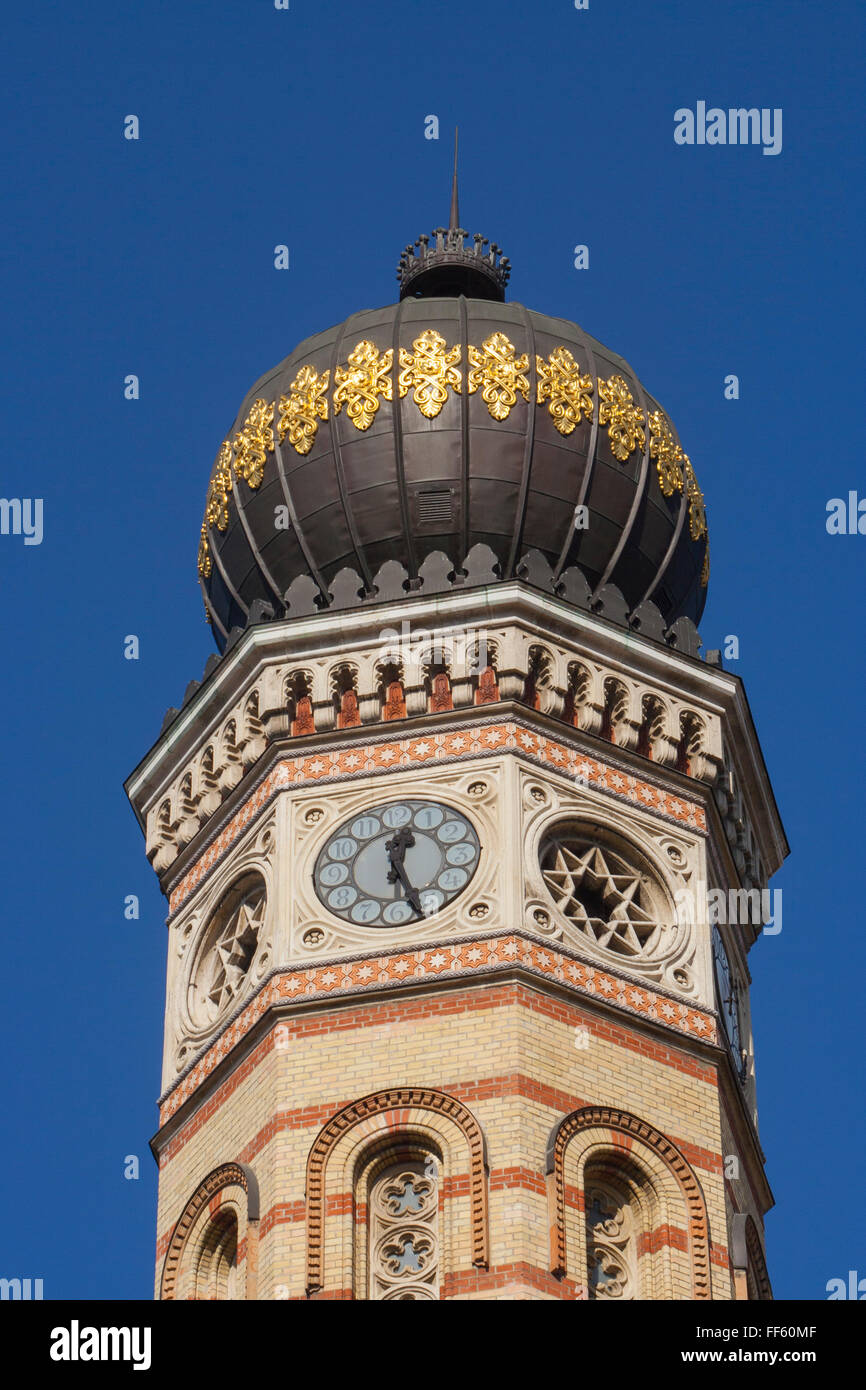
(447, 1013)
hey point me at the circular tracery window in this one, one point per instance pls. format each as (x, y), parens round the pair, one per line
(228, 948)
(605, 888)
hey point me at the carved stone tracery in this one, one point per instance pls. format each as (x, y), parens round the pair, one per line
(404, 1237)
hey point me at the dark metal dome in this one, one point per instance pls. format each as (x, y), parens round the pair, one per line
(438, 425)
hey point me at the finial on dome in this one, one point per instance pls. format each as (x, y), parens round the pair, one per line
(447, 267)
(455, 204)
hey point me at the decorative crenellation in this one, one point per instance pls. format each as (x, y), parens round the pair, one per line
(428, 372)
(328, 693)
(448, 248)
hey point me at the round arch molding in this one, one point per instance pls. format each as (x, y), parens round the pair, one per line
(226, 1175)
(747, 1258)
(386, 1112)
(620, 1124)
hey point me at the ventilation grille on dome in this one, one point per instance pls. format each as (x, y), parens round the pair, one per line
(434, 508)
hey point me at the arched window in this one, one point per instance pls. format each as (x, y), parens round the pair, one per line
(403, 1240)
(217, 1273)
(641, 1229)
(213, 1249)
(615, 709)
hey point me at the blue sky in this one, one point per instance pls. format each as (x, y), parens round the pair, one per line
(155, 257)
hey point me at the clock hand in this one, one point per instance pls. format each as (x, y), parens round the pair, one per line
(396, 850)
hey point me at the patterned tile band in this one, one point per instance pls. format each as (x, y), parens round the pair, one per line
(453, 960)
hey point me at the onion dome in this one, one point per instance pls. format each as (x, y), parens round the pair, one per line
(452, 438)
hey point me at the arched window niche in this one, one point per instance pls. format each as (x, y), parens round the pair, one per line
(213, 1250)
(397, 1202)
(628, 1219)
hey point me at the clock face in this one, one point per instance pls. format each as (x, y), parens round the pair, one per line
(728, 1001)
(396, 863)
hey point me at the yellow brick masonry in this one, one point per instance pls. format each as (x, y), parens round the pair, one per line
(541, 1074)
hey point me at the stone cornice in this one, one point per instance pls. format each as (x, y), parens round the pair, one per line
(299, 639)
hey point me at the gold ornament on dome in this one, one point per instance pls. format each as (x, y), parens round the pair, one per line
(705, 567)
(216, 512)
(359, 385)
(667, 454)
(570, 392)
(205, 565)
(303, 408)
(499, 373)
(254, 442)
(429, 371)
(697, 511)
(624, 419)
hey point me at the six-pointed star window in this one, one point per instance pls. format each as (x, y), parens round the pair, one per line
(602, 895)
(231, 954)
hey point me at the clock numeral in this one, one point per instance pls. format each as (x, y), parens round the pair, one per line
(365, 911)
(343, 848)
(342, 897)
(333, 873)
(365, 826)
(452, 830)
(395, 913)
(396, 816)
(452, 879)
(428, 817)
(460, 854)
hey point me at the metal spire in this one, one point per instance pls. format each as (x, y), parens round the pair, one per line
(455, 207)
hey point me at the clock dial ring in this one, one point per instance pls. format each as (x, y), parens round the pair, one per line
(396, 863)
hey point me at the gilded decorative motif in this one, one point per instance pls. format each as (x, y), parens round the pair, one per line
(205, 564)
(429, 371)
(624, 419)
(254, 442)
(216, 512)
(697, 511)
(705, 568)
(499, 373)
(570, 392)
(667, 454)
(359, 385)
(303, 408)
